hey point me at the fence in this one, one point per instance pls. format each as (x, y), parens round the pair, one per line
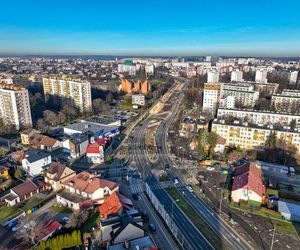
(168, 219)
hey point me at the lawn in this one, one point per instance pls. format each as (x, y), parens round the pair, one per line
(30, 203)
(8, 212)
(61, 209)
(90, 223)
(199, 223)
(286, 227)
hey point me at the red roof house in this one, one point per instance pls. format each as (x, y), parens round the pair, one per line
(111, 206)
(248, 184)
(85, 187)
(95, 151)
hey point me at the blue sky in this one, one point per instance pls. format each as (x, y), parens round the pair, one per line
(151, 27)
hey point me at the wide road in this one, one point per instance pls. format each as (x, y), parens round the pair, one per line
(190, 236)
(216, 223)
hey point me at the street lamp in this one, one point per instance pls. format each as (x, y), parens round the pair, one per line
(273, 236)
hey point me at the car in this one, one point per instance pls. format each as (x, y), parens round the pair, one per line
(190, 189)
(135, 196)
(11, 225)
(176, 181)
(167, 166)
(152, 228)
(145, 217)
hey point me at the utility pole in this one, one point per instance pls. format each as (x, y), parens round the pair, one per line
(221, 199)
(273, 236)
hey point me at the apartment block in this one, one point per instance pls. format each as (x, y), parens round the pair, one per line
(129, 69)
(251, 136)
(261, 76)
(211, 97)
(287, 101)
(244, 94)
(213, 76)
(236, 76)
(15, 106)
(78, 91)
(259, 117)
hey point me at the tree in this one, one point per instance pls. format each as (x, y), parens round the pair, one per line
(71, 112)
(271, 143)
(109, 98)
(61, 117)
(234, 156)
(50, 117)
(3, 151)
(2, 127)
(18, 174)
(262, 104)
(98, 106)
(41, 124)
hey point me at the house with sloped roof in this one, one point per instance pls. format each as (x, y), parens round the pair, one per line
(115, 229)
(27, 134)
(95, 151)
(84, 190)
(56, 174)
(111, 206)
(248, 184)
(23, 192)
(44, 142)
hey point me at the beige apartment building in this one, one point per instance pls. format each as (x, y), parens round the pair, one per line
(251, 136)
(15, 106)
(78, 91)
(287, 101)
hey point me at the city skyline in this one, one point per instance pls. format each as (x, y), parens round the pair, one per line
(151, 28)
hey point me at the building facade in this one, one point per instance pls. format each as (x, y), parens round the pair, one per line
(213, 76)
(287, 101)
(77, 91)
(252, 136)
(211, 97)
(259, 117)
(261, 76)
(236, 76)
(15, 106)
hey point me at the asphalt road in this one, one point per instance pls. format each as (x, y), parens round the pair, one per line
(192, 237)
(220, 227)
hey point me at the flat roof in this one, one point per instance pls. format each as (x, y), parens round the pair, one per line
(140, 243)
(90, 126)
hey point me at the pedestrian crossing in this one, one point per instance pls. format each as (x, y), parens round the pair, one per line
(136, 186)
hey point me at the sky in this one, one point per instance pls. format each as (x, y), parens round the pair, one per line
(151, 27)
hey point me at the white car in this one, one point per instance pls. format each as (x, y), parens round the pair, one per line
(176, 181)
(190, 189)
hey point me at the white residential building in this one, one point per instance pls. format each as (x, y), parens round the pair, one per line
(138, 100)
(213, 76)
(293, 77)
(211, 97)
(259, 117)
(261, 76)
(36, 162)
(78, 91)
(228, 102)
(129, 69)
(236, 76)
(15, 106)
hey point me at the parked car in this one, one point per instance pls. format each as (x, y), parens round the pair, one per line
(152, 228)
(176, 181)
(190, 189)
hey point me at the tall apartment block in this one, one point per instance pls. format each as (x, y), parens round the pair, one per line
(15, 106)
(78, 91)
(236, 76)
(211, 97)
(213, 76)
(261, 76)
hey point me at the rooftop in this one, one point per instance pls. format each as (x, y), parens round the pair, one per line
(145, 243)
(33, 156)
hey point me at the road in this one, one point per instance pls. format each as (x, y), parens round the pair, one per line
(193, 238)
(220, 227)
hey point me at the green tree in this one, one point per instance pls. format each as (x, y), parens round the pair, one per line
(18, 174)
(3, 151)
(272, 141)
